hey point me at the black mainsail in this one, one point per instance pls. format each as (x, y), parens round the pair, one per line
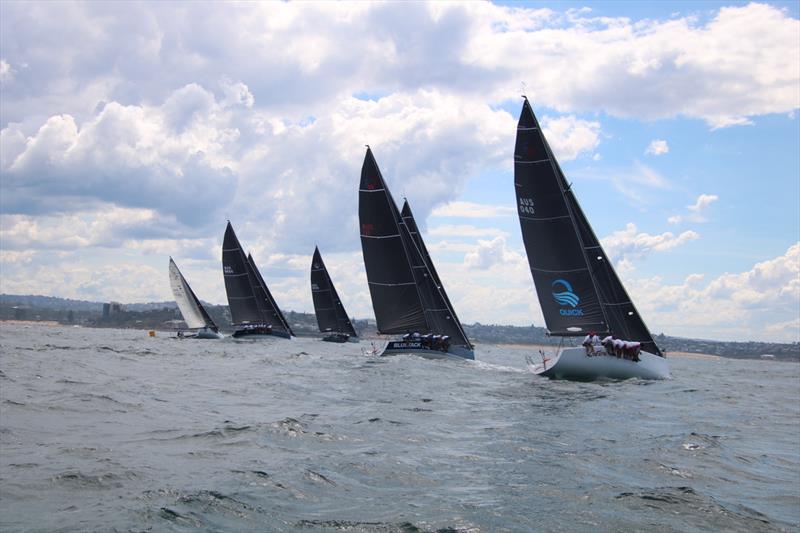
(395, 298)
(439, 312)
(330, 312)
(407, 295)
(578, 289)
(269, 307)
(245, 308)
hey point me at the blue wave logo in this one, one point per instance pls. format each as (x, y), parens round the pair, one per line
(562, 293)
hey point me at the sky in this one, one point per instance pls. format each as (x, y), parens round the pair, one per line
(132, 131)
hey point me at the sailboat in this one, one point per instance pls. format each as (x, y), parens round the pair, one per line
(194, 314)
(407, 295)
(252, 307)
(331, 316)
(578, 289)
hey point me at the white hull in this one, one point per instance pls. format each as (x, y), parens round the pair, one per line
(416, 348)
(574, 364)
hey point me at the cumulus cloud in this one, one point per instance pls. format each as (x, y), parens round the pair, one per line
(740, 63)
(489, 253)
(464, 230)
(696, 210)
(657, 147)
(758, 304)
(569, 136)
(630, 243)
(462, 209)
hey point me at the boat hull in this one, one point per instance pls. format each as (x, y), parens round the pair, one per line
(417, 348)
(573, 364)
(339, 338)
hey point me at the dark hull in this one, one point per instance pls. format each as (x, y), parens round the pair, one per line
(418, 348)
(336, 337)
(259, 332)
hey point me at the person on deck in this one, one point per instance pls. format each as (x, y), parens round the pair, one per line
(608, 344)
(587, 343)
(619, 347)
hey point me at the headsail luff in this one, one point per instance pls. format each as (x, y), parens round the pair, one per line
(245, 308)
(271, 312)
(331, 315)
(392, 287)
(193, 312)
(439, 312)
(577, 287)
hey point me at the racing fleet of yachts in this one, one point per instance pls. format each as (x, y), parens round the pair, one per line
(579, 292)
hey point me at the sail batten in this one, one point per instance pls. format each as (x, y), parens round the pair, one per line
(577, 287)
(331, 315)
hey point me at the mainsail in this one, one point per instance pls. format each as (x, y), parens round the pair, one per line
(194, 314)
(330, 312)
(395, 298)
(269, 307)
(576, 284)
(439, 312)
(245, 308)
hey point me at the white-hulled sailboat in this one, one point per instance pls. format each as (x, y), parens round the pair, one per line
(194, 314)
(578, 289)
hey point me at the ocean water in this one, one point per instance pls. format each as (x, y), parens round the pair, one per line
(110, 430)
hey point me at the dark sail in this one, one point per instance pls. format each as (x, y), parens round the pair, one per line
(239, 281)
(330, 312)
(623, 318)
(271, 312)
(395, 298)
(439, 312)
(577, 287)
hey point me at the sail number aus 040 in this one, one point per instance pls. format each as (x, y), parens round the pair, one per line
(526, 206)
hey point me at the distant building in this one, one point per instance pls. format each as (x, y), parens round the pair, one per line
(112, 308)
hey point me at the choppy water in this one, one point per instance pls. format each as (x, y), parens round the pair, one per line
(112, 430)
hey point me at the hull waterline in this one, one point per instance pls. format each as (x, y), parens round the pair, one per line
(573, 364)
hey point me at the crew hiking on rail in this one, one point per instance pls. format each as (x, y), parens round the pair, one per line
(612, 347)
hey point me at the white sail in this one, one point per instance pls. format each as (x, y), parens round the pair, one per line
(187, 302)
